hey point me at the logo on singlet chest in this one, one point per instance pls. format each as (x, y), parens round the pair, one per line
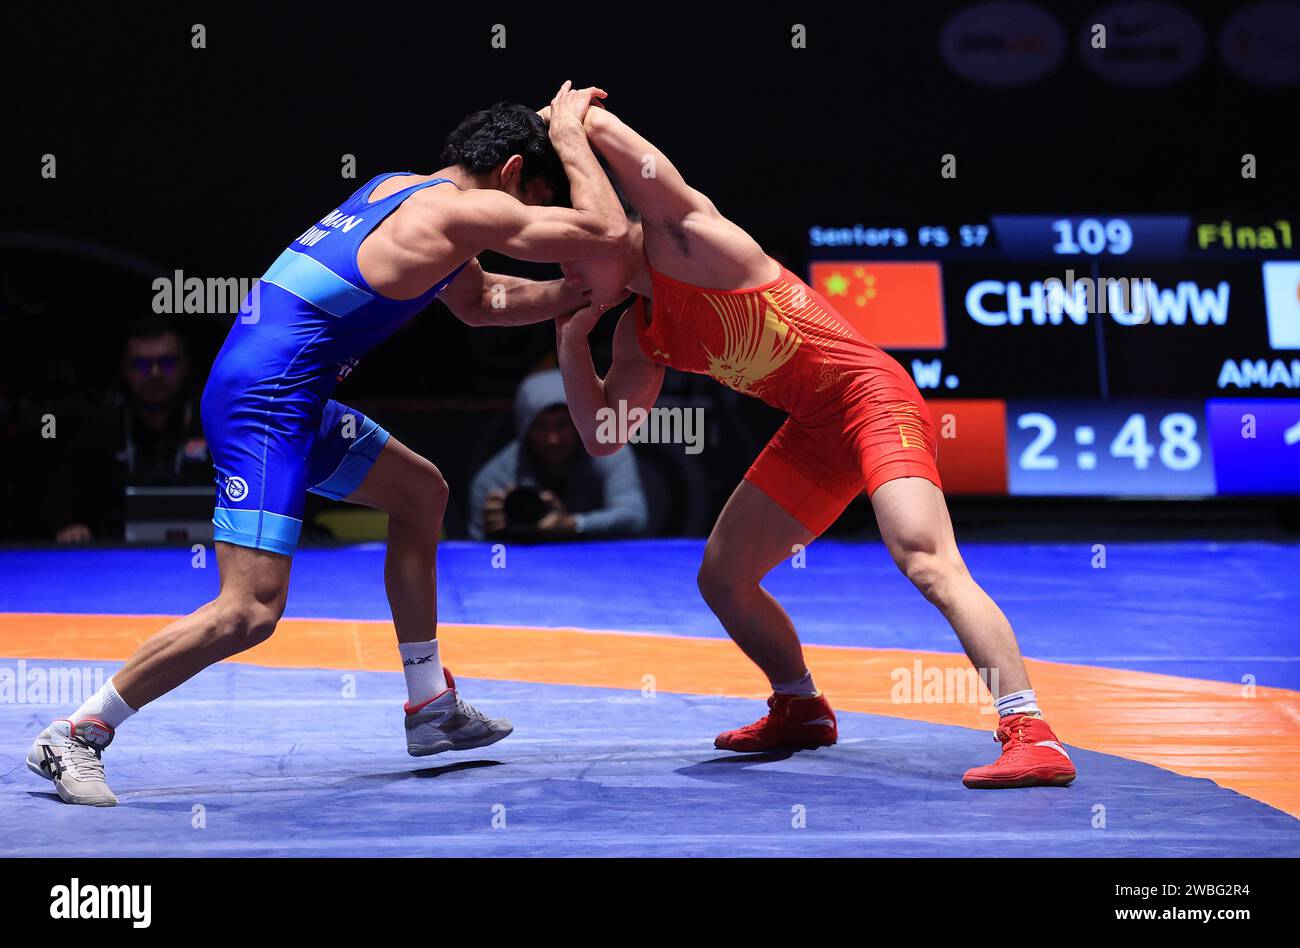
(757, 340)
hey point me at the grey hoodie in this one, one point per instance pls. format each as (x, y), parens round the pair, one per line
(603, 494)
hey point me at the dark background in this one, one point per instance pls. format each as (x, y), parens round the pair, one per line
(212, 160)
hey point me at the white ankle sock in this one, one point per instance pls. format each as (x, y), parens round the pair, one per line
(800, 687)
(104, 705)
(423, 670)
(1018, 702)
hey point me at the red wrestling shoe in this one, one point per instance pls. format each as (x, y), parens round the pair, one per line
(804, 723)
(1031, 757)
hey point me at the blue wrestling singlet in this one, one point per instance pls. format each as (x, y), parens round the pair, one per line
(271, 426)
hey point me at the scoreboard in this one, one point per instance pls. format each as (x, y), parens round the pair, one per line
(1106, 355)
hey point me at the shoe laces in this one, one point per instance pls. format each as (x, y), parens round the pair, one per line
(1013, 737)
(762, 722)
(84, 760)
(758, 725)
(470, 711)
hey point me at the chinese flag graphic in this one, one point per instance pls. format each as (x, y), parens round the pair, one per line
(895, 305)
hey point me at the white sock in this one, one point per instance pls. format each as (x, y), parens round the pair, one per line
(800, 687)
(1018, 702)
(423, 670)
(104, 705)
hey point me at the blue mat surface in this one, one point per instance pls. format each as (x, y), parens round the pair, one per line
(1203, 610)
(254, 761)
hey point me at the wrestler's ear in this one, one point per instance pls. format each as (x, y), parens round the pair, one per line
(511, 174)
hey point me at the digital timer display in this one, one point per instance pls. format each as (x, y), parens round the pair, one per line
(1117, 448)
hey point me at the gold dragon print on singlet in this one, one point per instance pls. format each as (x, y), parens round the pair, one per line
(763, 331)
(757, 339)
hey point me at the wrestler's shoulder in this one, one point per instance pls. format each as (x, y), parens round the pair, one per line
(477, 208)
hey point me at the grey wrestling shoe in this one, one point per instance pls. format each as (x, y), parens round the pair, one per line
(445, 723)
(70, 755)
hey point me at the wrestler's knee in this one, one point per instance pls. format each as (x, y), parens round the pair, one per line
(723, 583)
(241, 621)
(423, 501)
(939, 578)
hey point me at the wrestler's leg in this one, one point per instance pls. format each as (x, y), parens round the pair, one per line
(412, 491)
(254, 586)
(914, 523)
(752, 535)
(796, 488)
(359, 462)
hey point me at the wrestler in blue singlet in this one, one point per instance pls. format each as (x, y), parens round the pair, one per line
(271, 426)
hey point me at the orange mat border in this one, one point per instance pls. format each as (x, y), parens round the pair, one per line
(1192, 727)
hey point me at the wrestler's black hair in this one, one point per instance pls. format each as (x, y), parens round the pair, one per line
(485, 139)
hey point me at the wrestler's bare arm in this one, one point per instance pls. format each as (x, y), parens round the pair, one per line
(686, 236)
(493, 220)
(478, 298)
(633, 381)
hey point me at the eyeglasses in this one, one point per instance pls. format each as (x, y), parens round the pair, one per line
(166, 365)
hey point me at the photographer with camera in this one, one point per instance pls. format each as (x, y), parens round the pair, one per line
(544, 486)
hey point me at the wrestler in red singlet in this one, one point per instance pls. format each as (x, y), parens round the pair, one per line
(856, 423)
(856, 418)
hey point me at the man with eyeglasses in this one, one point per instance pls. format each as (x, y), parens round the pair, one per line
(149, 434)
